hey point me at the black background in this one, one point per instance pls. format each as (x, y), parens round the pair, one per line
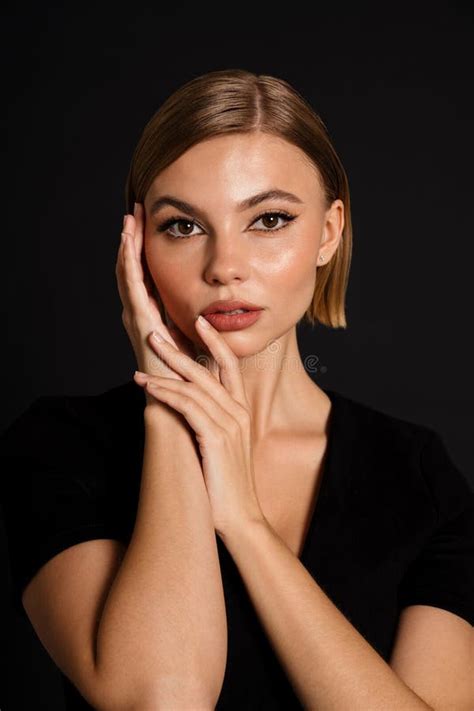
(393, 84)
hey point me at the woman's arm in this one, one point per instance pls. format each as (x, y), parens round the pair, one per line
(329, 663)
(164, 623)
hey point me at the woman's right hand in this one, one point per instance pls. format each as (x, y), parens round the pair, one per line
(140, 313)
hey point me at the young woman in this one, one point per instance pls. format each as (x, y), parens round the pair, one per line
(220, 531)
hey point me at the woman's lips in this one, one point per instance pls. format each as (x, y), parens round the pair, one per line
(229, 305)
(233, 322)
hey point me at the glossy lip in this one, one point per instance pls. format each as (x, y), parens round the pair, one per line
(233, 322)
(229, 305)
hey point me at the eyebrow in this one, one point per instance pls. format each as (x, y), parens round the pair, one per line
(271, 194)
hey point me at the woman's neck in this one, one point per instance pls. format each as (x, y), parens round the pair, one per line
(281, 394)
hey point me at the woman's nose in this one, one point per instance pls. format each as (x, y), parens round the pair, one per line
(228, 259)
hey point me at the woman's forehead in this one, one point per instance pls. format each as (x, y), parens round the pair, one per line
(237, 171)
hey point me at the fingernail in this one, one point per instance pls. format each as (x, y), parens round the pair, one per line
(124, 220)
(158, 337)
(203, 321)
(138, 374)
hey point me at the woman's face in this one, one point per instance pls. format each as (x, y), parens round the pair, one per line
(220, 250)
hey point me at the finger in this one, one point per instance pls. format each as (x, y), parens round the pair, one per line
(191, 390)
(135, 289)
(119, 266)
(128, 229)
(122, 265)
(227, 361)
(132, 281)
(133, 227)
(198, 416)
(139, 226)
(194, 372)
(138, 241)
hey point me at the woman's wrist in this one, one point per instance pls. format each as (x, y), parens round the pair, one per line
(169, 429)
(156, 412)
(160, 417)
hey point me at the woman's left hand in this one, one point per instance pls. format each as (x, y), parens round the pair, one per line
(219, 414)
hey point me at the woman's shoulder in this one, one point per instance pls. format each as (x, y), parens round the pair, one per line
(75, 423)
(409, 455)
(74, 452)
(104, 403)
(70, 473)
(360, 417)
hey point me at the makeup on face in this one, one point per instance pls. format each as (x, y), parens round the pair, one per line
(233, 321)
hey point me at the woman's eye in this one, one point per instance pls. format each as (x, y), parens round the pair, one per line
(165, 227)
(271, 219)
(275, 216)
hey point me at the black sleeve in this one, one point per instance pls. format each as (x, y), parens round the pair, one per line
(442, 575)
(52, 487)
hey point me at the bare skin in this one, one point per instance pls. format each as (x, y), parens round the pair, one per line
(236, 254)
(231, 255)
(288, 479)
(289, 413)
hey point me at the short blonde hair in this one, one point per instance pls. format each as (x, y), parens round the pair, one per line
(238, 101)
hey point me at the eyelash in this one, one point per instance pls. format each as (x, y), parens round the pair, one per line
(278, 213)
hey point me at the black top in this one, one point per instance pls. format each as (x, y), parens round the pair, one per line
(393, 523)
